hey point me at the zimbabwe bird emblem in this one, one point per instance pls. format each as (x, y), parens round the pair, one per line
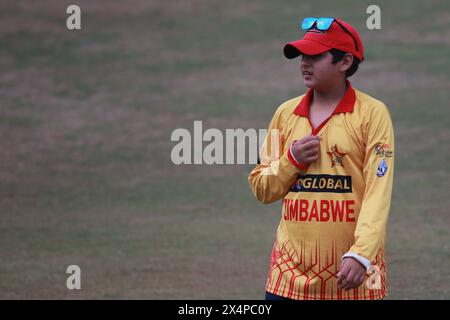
(336, 156)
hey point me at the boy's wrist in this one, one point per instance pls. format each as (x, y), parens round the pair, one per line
(293, 160)
(365, 262)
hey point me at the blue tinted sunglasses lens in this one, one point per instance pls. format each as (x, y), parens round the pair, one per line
(324, 23)
(308, 23)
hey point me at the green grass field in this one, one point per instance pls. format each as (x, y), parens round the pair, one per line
(86, 118)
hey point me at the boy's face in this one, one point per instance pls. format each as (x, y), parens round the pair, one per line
(318, 71)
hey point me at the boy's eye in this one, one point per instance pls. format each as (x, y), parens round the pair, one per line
(314, 58)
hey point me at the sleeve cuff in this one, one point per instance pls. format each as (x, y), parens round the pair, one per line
(365, 262)
(293, 160)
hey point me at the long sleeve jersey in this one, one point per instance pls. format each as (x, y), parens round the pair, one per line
(337, 205)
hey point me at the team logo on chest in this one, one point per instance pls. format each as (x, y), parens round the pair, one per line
(337, 157)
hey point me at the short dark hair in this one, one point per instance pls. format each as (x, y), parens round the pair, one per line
(338, 55)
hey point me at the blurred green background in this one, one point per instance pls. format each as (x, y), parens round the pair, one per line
(86, 118)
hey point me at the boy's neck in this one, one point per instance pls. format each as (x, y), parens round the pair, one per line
(329, 97)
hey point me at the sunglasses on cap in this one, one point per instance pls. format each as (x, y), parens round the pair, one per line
(323, 24)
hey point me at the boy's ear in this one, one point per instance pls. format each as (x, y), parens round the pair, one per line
(346, 62)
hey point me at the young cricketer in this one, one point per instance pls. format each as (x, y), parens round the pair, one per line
(328, 156)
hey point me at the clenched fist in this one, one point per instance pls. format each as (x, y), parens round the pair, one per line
(306, 150)
(351, 274)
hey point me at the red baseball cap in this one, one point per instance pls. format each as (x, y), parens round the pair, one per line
(340, 35)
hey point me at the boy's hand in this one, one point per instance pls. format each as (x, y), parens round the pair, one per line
(351, 274)
(306, 150)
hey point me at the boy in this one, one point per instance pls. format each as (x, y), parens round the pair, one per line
(333, 169)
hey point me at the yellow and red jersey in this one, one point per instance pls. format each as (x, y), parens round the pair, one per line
(336, 205)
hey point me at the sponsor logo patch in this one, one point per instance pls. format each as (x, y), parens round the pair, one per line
(383, 150)
(382, 168)
(322, 183)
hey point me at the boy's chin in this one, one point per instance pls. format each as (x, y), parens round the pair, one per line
(309, 84)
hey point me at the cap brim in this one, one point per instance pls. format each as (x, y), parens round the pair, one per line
(295, 48)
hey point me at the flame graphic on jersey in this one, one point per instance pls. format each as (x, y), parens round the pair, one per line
(302, 274)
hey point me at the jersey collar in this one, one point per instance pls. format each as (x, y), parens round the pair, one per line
(346, 104)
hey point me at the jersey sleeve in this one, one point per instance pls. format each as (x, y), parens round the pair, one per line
(277, 170)
(378, 172)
